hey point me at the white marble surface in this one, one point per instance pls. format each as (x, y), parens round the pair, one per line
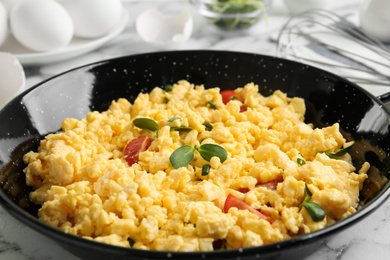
(368, 239)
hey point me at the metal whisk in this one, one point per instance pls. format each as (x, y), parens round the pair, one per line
(329, 41)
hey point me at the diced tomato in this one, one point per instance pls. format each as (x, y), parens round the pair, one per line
(227, 95)
(271, 184)
(233, 201)
(244, 190)
(243, 109)
(134, 147)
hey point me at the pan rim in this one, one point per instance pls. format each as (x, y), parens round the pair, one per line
(73, 240)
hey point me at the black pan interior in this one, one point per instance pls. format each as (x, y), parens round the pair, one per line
(329, 98)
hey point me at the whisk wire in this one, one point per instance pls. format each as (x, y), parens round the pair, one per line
(301, 36)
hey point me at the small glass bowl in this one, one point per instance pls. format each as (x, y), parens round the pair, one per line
(232, 15)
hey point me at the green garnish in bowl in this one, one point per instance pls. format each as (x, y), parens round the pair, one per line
(229, 15)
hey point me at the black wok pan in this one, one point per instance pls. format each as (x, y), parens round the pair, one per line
(41, 109)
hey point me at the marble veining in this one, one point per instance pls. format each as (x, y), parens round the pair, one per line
(368, 239)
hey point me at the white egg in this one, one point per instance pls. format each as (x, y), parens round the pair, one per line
(8, 4)
(375, 19)
(93, 18)
(12, 77)
(3, 23)
(41, 25)
(156, 27)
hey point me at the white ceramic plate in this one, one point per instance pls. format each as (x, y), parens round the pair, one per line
(76, 47)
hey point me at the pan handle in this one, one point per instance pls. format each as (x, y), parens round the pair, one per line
(385, 98)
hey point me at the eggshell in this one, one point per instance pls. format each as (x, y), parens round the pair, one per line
(375, 19)
(156, 27)
(3, 24)
(12, 77)
(41, 25)
(93, 18)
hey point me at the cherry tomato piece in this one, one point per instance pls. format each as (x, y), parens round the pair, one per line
(233, 201)
(271, 184)
(134, 147)
(243, 109)
(244, 190)
(227, 95)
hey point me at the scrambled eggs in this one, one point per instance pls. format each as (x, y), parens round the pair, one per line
(87, 188)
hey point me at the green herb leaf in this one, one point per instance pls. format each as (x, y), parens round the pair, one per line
(211, 104)
(332, 155)
(205, 169)
(182, 128)
(208, 126)
(207, 151)
(166, 100)
(300, 161)
(146, 123)
(174, 118)
(315, 211)
(168, 87)
(182, 156)
(340, 152)
(131, 242)
(233, 98)
(345, 150)
(234, 7)
(308, 194)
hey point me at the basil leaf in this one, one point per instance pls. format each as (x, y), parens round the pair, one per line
(182, 128)
(300, 161)
(211, 104)
(233, 98)
(168, 87)
(182, 156)
(315, 211)
(205, 169)
(207, 151)
(146, 123)
(174, 118)
(208, 126)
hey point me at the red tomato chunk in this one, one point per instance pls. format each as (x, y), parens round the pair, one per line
(233, 201)
(134, 147)
(271, 184)
(227, 95)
